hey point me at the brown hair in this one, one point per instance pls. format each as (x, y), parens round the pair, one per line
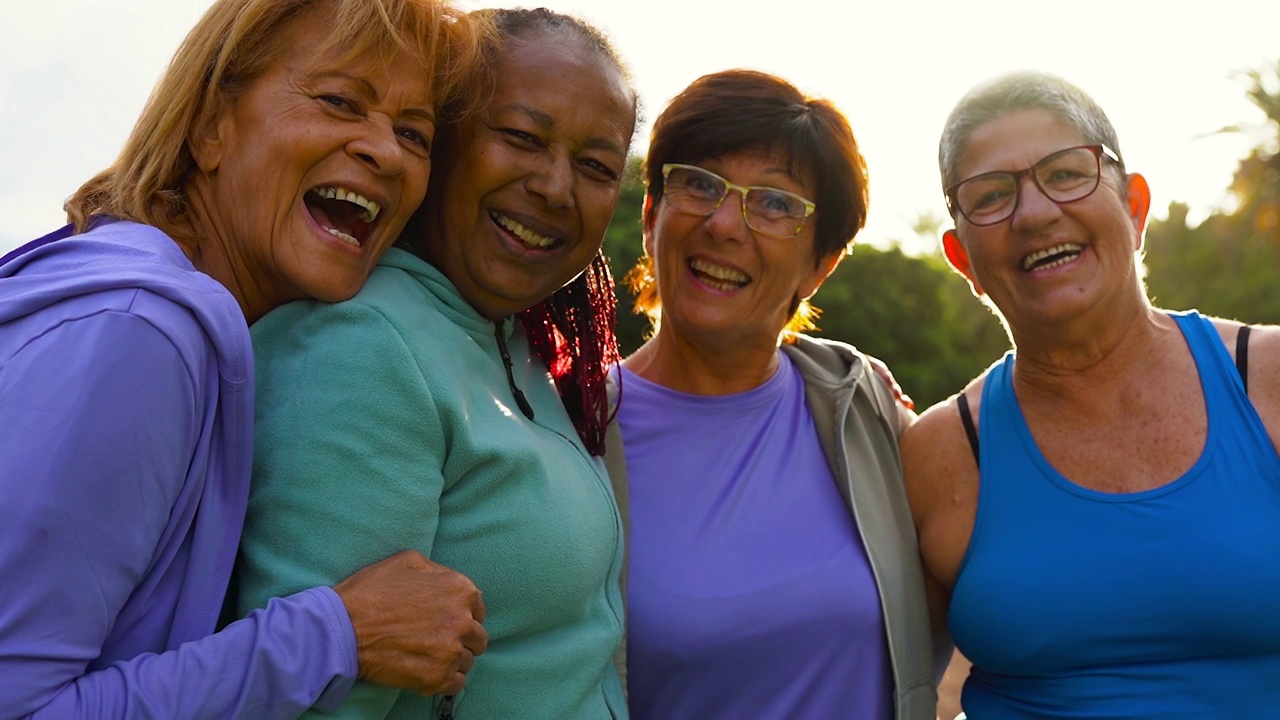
(736, 110)
(229, 48)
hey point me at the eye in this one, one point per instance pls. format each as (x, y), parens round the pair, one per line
(991, 198)
(416, 137)
(598, 169)
(776, 203)
(702, 185)
(522, 139)
(338, 102)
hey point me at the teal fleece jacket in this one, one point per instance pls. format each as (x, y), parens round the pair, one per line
(387, 422)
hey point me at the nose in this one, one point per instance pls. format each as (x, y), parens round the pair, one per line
(1034, 208)
(729, 220)
(552, 179)
(378, 147)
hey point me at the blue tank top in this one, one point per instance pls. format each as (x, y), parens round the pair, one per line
(1161, 603)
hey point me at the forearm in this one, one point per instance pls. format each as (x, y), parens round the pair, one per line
(275, 663)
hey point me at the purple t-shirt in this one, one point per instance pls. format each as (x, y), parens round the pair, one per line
(749, 593)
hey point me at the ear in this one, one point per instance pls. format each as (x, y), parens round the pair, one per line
(827, 265)
(207, 139)
(959, 259)
(1139, 204)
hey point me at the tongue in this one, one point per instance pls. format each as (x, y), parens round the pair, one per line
(339, 214)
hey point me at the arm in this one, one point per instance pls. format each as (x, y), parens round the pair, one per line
(942, 484)
(102, 415)
(348, 470)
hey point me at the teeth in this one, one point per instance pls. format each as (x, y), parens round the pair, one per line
(529, 237)
(1029, 261)
(730, 278)
(371, 208)
(343, 236)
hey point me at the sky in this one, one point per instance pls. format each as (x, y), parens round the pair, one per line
(75, 73)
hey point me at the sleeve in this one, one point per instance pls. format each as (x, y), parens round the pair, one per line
(101, 417)
(348, 460)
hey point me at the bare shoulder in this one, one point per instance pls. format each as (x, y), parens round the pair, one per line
(1264, 376)
(941, 477)
(1263, 369)
(937, 459)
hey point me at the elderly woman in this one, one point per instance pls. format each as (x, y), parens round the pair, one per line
(1099, 511)
(283, 151)
(424, 413)
(773, 569)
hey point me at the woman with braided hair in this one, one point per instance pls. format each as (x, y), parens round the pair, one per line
(457, 405)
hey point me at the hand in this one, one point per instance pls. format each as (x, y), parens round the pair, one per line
(418, 624)
(883, 371)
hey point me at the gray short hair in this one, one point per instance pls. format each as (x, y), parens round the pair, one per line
(1017, 91)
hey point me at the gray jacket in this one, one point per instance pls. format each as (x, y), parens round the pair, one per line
(856, 417)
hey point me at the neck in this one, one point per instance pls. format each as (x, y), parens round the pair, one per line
(671, 360)
(207, 250)
(1090, 361)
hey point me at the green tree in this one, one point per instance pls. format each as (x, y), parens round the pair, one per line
(1227, 264)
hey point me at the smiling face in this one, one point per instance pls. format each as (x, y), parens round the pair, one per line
(308, 176)
(1049, 262)
(719, 281)
(529, 187)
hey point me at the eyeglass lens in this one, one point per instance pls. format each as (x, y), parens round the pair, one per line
(1065, 176)
(768, 210)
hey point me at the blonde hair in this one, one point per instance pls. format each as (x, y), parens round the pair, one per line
(229, 48)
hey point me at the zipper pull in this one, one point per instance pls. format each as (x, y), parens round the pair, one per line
(521, 401)
(446, 708)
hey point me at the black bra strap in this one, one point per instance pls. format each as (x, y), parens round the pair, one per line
(1242, 356)
(966, 417)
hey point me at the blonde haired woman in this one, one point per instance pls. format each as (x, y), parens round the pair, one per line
(282, 153)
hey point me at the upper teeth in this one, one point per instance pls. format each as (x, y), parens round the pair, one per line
(1035, 257)
(718, 272)
(371, 208)
(528, 236)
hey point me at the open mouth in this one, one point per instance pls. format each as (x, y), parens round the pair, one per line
(717, 276)
(1051, 257)
(344, 214)
(529, 238)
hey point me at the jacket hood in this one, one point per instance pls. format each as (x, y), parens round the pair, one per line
(826, 362)
(114, 255)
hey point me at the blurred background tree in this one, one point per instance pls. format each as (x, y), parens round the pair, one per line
(912, 311)
(1229, 263)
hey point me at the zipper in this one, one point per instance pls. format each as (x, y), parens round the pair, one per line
(521, 401)
(445, 712)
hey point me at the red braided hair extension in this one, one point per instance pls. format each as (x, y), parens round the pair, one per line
(573, 331)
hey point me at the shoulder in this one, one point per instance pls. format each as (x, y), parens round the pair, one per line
(936, 455)
(1264, 376)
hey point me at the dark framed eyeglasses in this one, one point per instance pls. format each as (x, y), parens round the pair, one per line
(1064, 177)
(766, 210)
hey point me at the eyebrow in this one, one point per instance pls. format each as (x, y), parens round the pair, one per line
(369, 90)
(546, 122)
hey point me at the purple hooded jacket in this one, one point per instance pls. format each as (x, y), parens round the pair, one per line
(126, 414)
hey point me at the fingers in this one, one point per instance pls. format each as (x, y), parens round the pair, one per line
(476, 641)
(477, 606)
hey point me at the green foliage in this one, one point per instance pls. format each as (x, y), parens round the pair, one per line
(1227, 265)
(916, 315)
(623, 245)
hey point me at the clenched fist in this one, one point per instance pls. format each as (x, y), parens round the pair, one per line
(418, 624)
